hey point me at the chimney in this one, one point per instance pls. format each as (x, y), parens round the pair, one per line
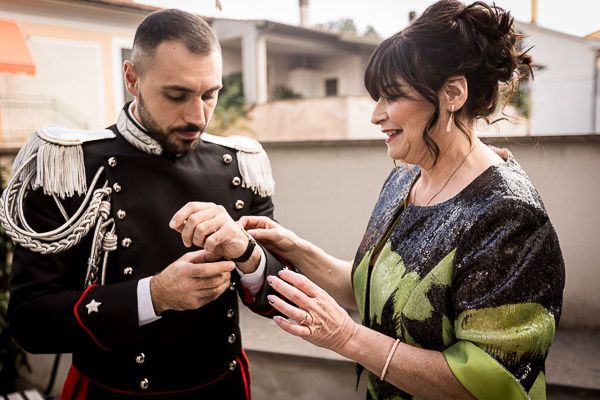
(303, 13)
(411, 16)
(534, 12)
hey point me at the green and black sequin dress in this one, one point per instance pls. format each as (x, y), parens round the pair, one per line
(478, 277)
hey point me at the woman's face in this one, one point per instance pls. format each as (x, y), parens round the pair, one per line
(403, 120)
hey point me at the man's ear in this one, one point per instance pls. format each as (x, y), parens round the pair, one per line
(454, 93)
(131, 77)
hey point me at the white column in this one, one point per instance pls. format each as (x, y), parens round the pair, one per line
(261, 68)
(254, 67)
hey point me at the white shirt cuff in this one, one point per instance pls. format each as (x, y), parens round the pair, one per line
(255, 280)
(145, 308)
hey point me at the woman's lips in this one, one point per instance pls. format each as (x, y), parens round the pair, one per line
(391, 134)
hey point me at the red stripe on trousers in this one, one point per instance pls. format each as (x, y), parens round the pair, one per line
(76, 386)
(246, 370)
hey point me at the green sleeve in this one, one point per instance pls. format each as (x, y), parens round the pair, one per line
(485, 378)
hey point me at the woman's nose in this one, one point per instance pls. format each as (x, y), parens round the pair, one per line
(379, 115)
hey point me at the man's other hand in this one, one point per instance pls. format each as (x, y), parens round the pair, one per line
(192, 281)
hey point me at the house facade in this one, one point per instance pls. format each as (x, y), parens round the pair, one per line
(79, 46)
(565, 95)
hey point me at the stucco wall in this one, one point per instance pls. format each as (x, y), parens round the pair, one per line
(326, 190)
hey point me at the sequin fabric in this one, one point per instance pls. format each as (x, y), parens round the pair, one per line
(484, 266)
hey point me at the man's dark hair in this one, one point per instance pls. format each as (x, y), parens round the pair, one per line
(170, 25)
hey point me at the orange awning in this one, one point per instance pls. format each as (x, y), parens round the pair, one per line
(14, 53)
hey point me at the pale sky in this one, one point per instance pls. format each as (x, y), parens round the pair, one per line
(576, 17)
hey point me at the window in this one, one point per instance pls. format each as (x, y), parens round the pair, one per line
(331, 87)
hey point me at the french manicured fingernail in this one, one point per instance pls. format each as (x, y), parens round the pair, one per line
(270, 279)
(278, 318)
(172, 223)
(271, 298)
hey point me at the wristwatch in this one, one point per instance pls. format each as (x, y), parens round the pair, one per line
(249, 249)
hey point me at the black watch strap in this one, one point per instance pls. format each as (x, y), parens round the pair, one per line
(248, 252)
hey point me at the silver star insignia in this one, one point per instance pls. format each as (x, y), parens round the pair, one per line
(92, 306)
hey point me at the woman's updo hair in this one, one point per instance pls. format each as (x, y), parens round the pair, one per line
(478, 41)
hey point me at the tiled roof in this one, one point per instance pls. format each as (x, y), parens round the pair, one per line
(122, 4)
(594, 35)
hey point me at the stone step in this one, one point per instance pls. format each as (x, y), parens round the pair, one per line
(574, 360)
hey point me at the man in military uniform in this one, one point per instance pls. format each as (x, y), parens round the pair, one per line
(142, 286)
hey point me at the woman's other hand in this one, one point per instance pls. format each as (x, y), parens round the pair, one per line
(317, 317)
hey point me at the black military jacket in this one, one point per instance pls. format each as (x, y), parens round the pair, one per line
(183, 349)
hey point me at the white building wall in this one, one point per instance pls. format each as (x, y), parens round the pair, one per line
(79, 72)
(253, 55)
(232, 60)
(74, 80)
(354, 71)
(278, 69)
(563, 92)
(227, 29)
(309, 82)
(348, 69)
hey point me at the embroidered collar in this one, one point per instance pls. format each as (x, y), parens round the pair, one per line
(135, 133)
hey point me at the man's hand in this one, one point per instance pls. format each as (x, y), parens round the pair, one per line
(192, 281)
(209, 226)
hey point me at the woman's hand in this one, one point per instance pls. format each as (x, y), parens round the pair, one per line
(317, 317)
(273, 236)
(328, 272)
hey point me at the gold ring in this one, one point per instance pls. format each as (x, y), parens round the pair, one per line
(304, 319)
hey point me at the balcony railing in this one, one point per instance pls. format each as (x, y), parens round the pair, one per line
(342, 117)
(22, 114)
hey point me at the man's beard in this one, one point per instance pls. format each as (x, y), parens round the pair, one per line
(169, 142)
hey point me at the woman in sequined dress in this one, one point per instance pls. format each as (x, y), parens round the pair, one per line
(459, 276)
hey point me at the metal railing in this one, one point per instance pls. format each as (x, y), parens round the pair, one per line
(22, 114)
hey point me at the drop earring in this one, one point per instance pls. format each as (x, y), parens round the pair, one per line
(451, 119)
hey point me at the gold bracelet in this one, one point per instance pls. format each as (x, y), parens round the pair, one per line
(389, 359)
